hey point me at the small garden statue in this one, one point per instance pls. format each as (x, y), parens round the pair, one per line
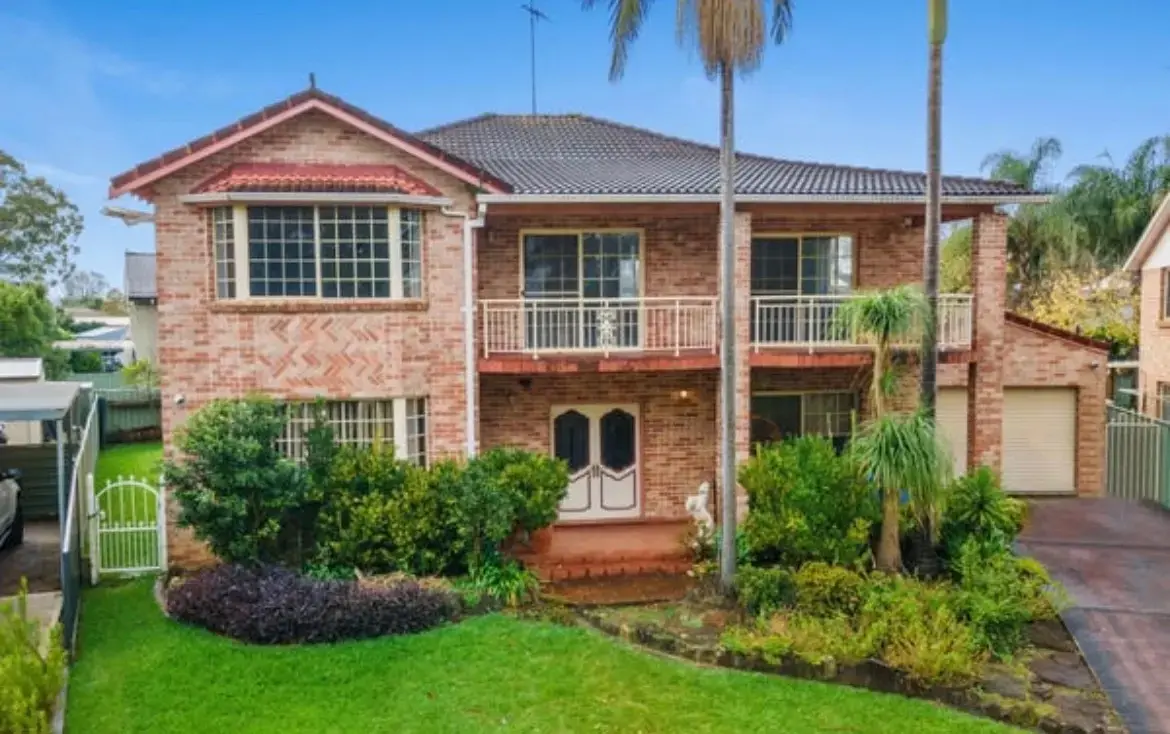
(697, 507)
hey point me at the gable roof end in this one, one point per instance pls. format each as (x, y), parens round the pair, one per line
(137, 178)
(1149, 239)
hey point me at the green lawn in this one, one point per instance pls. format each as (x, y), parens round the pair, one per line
(142, 460)
(140, 672)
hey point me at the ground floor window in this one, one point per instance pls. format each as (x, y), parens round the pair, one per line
(398, 422)
(1162, 409)
(777, 416)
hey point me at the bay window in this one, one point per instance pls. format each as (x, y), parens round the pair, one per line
(342, 252)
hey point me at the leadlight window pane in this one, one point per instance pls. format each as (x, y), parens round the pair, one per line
(281, 251)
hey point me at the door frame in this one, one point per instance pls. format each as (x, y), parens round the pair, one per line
(634, 409)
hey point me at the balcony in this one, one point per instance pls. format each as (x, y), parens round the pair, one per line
(810, 322)
(665, 326)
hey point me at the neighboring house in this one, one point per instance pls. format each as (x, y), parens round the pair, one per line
(1150, 260)
(143, 299)
(111, 342)
(19, 371)
(552, 282)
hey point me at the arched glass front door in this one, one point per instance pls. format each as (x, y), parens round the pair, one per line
(600, 445)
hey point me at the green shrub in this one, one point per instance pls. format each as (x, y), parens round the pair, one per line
(85, 362)
(235, 489)
(1000, 594)
(807, 504)
(505, 581)
(535, 483)
(819, 640)
(979, 508)
(30, 679)
(825, 591)
(141, 372)
(765, 590)
(919, 630)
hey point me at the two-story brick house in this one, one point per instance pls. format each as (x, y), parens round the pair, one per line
(552, 282)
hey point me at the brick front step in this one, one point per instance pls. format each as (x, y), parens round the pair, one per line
(595, 570)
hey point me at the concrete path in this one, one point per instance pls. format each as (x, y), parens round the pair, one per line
(1113, 558)
(38, 559)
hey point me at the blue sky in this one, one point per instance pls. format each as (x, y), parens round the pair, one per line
(88, 89)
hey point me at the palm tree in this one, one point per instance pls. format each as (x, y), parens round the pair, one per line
(884, 319)
(937, 30)
(729, 36)
(1029, 170)
(1113, 204)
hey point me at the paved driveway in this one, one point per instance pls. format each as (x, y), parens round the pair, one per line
(1113, 557)
(38, 559)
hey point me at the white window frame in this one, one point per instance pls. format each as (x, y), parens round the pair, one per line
(402, 415)
(242, 260)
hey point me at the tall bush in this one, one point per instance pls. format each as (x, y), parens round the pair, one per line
(978, 508)
(235, 489)
(534, 483)
(807, 504)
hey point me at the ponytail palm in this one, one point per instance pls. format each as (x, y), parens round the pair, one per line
(893, 450)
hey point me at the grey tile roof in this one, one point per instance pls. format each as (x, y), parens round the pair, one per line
(579, 154)
(140, 280)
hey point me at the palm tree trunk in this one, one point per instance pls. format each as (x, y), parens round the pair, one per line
(933, 217)
(728, 357)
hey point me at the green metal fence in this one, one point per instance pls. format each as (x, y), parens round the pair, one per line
(100, 380)
(1137, 456)
(130, 413)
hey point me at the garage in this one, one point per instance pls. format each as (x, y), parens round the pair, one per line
(1039, 440)
(1039, 436)
(951, 415)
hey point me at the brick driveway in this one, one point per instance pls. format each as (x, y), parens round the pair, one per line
(1113, 557)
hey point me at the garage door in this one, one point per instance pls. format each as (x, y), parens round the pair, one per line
(951, 413)
(1039, 440)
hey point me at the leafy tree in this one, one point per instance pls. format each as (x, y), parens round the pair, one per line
(1031, 170)
(84, 362)
(730, 36)
(84, 288)
(28, 327)
(955, 261)
(115, 303)
(143, 373)
(39, 227)
(1091, 302)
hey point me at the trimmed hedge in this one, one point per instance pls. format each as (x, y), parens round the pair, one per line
(269, 605)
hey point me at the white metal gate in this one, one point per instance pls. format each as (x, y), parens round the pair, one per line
(128, 527)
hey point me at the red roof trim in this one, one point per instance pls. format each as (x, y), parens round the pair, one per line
(1072, 336)
(136, 178)
(302, 177)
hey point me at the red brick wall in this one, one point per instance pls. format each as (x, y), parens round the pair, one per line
(677, 434)
(1036, 359)
(209, 349)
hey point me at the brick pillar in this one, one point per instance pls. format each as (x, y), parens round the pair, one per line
(985, 384)
(743, 295)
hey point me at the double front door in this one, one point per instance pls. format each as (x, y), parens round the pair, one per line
(600, 445)
(581, 290)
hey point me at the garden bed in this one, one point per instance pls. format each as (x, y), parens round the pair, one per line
(1047, 687)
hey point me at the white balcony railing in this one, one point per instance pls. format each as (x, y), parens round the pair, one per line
(598, 325)
(811, 321)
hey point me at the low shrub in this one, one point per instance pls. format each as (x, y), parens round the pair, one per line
(819, 640)
(807, 504)
(826, 591)
(978, 508)
(275, 606)
(535, 483)
(235, 489)
(30, 676)
(505, 581)
(999, 594)
(765, 590)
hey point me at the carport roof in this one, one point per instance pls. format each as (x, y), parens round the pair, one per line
(37, 401)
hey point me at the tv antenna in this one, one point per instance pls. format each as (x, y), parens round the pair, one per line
(534, 16)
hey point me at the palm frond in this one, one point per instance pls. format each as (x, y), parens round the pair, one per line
(904, 453)
(625, 19)
(781, 20)
(892, 316)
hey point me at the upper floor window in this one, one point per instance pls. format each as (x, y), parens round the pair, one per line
(317, 252)
(802, 265)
